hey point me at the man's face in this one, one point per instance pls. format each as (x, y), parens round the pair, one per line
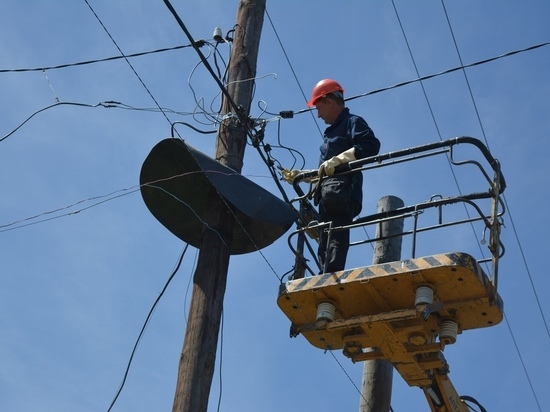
(326, 110)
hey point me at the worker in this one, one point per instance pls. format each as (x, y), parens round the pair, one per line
(348, 137)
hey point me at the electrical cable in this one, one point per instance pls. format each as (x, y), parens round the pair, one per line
(247, 80)
(454, 69)
(18, 224)
(145, 326)
(449, 163)
(203, 59)
(222, 77)
(189, 284)
(102, 104)
(216, 51)
(504, 196)
(328, 349)
(523, 364)
(433, 117)
(465, 76)
(125, 106)
(290, 150)
(109, 104)
(199, 103)
(192, 127)
(56, 99)
(528, 270)
(465, 399)
(221, 363)
(83, 63)
(290, 114)
(507, 206)
(291, 68)
(244, 120)
(128, 61)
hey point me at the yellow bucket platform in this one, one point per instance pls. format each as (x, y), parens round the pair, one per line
(375, 312)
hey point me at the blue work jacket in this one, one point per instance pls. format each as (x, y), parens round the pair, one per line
(349, 131)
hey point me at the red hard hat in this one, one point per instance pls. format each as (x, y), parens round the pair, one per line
(323, 88)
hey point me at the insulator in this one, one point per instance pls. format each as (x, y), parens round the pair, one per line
(424, 296)
(448, 331)
(218, 35)
(326, 311)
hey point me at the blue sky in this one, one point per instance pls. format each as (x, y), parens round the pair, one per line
(86, 261)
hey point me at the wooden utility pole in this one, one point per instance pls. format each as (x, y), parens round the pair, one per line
(197, 362)
(377, 374)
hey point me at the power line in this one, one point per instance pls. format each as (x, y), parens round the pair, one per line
(128, 61)
(298, 305)
(32, 220)
(523, 364)
(105, 59)
(291, 67)
(462, 67)
(109, 104)
(140, 335)
(524, 259)
(457, 184)
(504, 197)
(286, 114)
(427, 100)
(465, 75)
(454, 69)
(101, 104)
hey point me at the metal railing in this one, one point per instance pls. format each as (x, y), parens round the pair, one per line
(491, 219)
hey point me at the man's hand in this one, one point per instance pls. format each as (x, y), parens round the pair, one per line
(328, 166)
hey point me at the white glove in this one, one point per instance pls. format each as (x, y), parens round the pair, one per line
(328, 166)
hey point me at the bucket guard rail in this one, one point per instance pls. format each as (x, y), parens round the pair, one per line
(491, 219)
(415, 153)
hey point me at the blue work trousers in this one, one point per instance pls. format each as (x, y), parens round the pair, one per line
(334, 253)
